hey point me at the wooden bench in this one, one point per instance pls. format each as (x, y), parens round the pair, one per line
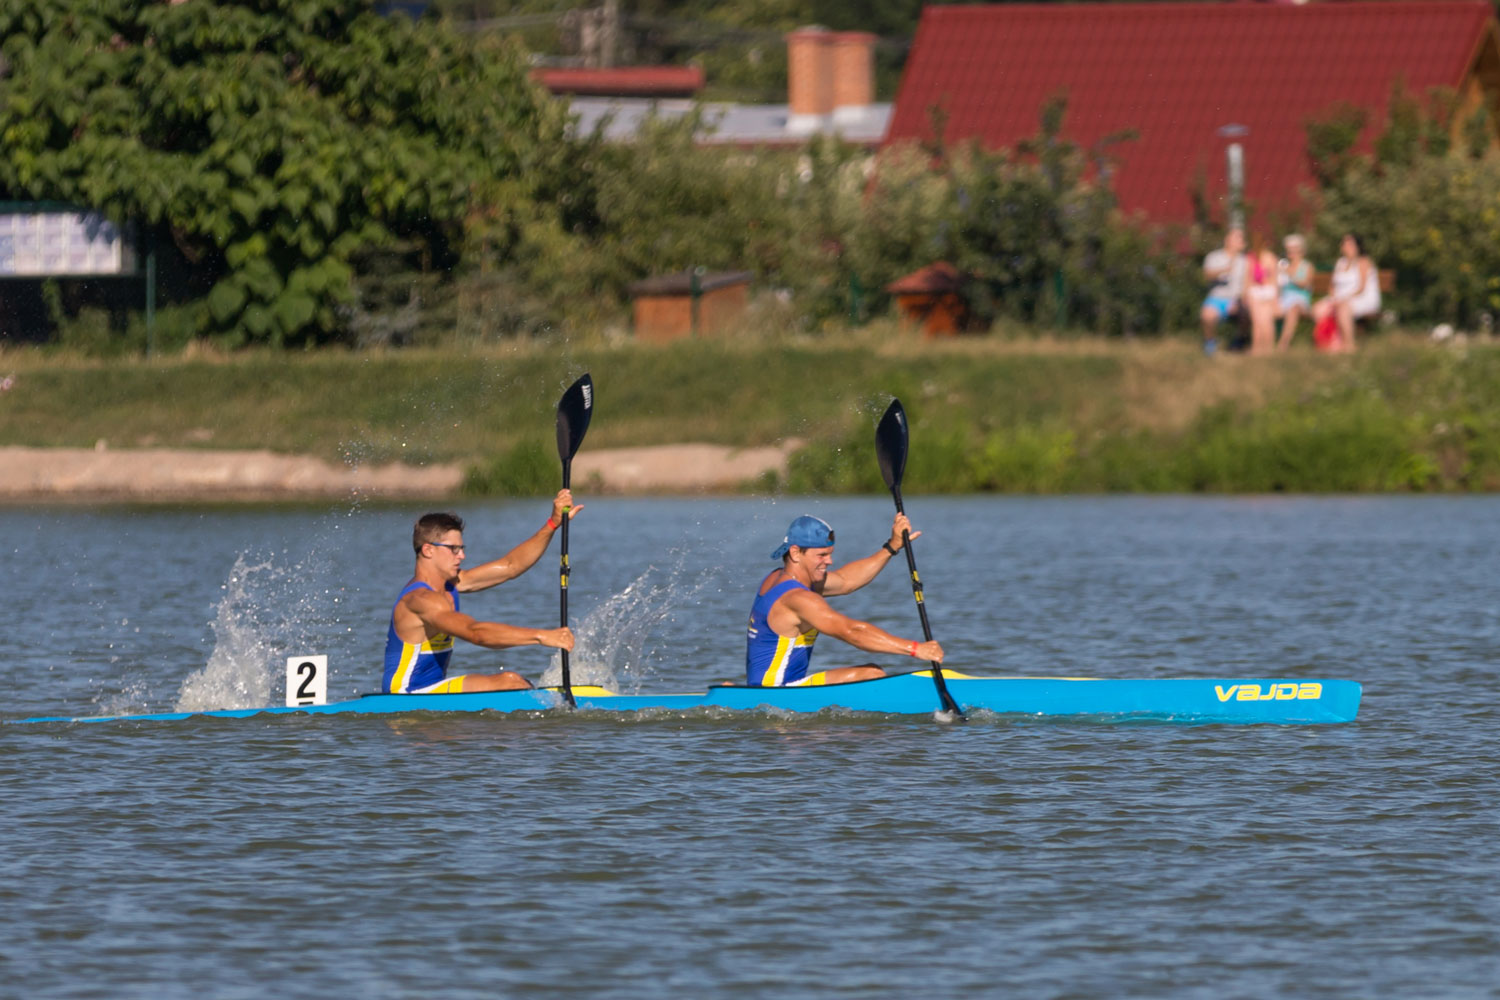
(1320, 282)
(1386, 277)
(1322, 279)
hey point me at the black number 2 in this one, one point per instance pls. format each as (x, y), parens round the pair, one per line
(309, 672)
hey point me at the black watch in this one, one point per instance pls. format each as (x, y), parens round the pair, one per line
(887, 546)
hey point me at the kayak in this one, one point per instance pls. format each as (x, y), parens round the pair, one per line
(1236, 700)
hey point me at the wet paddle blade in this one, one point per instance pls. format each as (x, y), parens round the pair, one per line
(890, 445)
(573, 413)
(890, 451)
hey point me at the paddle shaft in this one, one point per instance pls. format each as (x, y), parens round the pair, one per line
(573, 413)
(567, 675)
(949, 705)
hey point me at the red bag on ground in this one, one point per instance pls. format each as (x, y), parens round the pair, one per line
(1326, 333)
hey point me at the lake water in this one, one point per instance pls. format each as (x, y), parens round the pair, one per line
(756, 856)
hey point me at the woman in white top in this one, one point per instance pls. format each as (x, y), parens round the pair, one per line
(1354, 290)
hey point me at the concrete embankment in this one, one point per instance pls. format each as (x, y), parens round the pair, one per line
(170, 474)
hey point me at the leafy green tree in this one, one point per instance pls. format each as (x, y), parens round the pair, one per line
(612, 213)
(270, 140)
(1425, 203)
(1415, 127)
(1331, 138)
(1039, 229)
(1436, 222)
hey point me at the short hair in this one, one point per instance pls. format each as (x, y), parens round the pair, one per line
(1294, 240)
(431, 527)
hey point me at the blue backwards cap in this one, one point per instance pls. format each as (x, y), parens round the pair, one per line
(807, 532)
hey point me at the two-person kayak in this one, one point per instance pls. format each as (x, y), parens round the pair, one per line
(1191, 700)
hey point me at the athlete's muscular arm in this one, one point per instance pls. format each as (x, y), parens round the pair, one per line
(436, 616)
(849, 578)
(524, 556)
(812, 611)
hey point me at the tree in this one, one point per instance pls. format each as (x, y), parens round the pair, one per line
(1331, 138)
(270, 140)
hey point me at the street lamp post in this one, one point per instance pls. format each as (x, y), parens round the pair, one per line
(1235, 166)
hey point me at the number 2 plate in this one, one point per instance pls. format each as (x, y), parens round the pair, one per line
(306, 681)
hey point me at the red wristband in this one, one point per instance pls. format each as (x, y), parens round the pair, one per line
(551, 524)
(913, 651)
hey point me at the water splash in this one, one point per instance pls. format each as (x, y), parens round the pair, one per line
(133, 697)
(267, 609)
(610, 642)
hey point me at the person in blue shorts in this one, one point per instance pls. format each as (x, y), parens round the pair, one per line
(1225, 271)
(426, 618)
(791, 610)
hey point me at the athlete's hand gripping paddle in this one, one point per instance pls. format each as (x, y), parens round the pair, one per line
(890, 452)
(573, 413)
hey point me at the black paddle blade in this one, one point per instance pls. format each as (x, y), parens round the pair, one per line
(890, 445)
(573, 413)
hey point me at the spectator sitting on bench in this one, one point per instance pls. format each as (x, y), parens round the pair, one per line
(1354, 291)
(1261, 298)
(1225, 270)
(1296, 288)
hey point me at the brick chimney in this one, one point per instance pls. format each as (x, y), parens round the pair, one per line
(853, 62)
(830, 78)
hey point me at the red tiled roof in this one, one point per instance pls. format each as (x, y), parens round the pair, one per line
(1176, 73)
(623, 81)
(681, 283)
(932, 279)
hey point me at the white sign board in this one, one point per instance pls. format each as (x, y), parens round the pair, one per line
(62, 243)
(306, 681)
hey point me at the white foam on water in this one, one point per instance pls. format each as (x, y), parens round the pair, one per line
(267, 610)
(275, 606)
(130, 699)
(610, 641)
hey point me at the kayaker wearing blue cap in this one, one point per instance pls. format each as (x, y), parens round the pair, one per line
(790, 610)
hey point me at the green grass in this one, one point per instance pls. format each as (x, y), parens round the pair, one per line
(987, 414)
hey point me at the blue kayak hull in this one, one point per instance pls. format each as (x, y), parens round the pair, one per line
(1245, 700)
(1238, 700)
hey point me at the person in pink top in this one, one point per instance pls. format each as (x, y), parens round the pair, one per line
(1261, 291)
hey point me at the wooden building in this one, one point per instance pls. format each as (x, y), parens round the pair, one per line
(931, 300)
(693, 303)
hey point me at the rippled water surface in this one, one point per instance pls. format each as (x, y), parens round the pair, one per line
(754, 855)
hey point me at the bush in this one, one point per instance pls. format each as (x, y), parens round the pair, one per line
(833, 225)
(529, 469)
(1424, 204)
(1436, 222)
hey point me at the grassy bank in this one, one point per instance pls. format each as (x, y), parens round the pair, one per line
(1017, 416)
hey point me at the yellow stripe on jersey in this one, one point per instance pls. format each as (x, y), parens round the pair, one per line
(440, 643)
(775, 676)
(403, 671)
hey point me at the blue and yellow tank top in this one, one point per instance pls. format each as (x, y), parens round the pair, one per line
(773, 660)
(411, 666)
